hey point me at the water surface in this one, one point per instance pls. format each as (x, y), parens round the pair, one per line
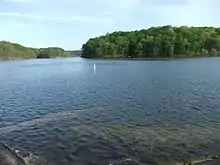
(148, 111)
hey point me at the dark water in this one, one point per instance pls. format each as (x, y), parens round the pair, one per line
(148, 111)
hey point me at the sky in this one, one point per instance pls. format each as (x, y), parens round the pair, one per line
(70, 23)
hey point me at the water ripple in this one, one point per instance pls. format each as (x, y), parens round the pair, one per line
(148, 111)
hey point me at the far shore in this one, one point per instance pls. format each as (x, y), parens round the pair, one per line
(151, 58)
(18, 59)
(117, 58)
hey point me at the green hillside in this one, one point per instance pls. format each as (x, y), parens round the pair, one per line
(16, 51)
(10, 51)
(156, 42)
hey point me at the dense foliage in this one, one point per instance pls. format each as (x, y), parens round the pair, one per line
(166, 41)
(52, 52)
(15, 51)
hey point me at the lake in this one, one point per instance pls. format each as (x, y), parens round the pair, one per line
(152, 112)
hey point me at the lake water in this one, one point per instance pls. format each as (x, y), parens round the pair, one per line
(148, 111)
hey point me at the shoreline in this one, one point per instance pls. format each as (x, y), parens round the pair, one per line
(20, 59)
(150, 59)
(117, 59)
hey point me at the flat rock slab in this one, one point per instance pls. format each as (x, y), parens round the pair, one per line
(210, 162)
(10, 154)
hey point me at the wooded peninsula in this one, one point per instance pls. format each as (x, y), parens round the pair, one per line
(155, 42)
(12, 51)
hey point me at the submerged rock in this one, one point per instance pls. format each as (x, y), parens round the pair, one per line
(10, 156)
(126, 162)
(207, 160)
(13, 156)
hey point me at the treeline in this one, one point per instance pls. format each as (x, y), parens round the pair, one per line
(76, 53)
(52, 52)
(156, 42)
(15, 51)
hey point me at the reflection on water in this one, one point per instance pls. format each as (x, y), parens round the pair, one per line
(147, 111)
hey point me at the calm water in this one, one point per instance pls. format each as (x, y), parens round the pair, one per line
(148, 111)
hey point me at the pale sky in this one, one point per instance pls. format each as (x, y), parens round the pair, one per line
(70, 23)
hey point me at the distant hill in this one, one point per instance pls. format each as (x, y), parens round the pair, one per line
(11, 51)
(52, 52)
(15, 51)
(75, 53)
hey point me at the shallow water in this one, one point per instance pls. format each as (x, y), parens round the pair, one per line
(148, 111)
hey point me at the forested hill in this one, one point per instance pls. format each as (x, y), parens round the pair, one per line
(15, 51)
(156, 42)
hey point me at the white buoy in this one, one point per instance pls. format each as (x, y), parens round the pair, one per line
(94, 68)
